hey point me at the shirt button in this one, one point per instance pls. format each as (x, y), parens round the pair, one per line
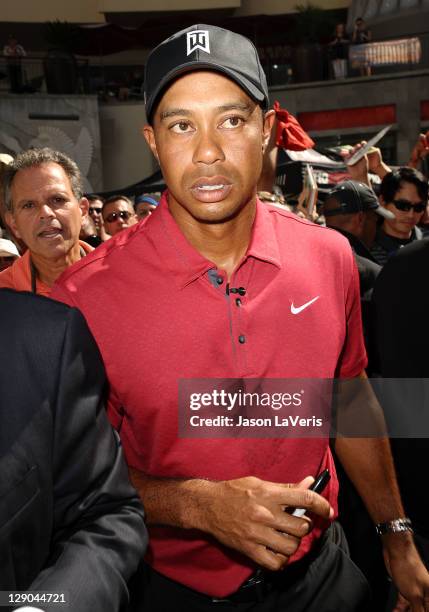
(242, 291)
(238, 301)
(219, 280)
(242, 339)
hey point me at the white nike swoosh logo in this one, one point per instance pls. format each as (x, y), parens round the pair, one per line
(303, 307)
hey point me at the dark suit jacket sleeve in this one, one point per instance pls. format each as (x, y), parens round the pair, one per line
(99, 534)
(397, 306)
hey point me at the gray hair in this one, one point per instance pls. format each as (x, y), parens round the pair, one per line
(36, 157)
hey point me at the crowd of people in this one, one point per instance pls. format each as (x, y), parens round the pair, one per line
(206, 281)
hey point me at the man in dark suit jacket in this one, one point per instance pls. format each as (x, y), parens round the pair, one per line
(69, 520)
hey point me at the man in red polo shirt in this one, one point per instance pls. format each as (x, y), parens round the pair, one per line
(236, 289)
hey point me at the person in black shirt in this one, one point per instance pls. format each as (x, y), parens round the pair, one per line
(339, 51)
(401, 306)
(352, 209)
(362, 35)
(349, 209)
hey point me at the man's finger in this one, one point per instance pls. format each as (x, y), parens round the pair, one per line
(270, 560)
(402, 604)
(296, 497)
(280, 543)
(304, 485)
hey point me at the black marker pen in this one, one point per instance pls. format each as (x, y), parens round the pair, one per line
(318, 485)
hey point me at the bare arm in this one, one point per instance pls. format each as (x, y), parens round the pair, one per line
(246, 514)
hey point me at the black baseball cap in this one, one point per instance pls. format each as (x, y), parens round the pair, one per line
(205, 47)
(353, 197)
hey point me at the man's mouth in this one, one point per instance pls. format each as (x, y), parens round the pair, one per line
(51, 232)
(210, 190)
(210, 187)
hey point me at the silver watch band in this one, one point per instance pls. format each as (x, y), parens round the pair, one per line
(396, 526)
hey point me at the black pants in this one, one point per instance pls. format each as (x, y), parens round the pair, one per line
(329, 583)
(364, 543)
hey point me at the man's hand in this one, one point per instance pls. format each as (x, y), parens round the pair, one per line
(376, 164)
(407, 571)
(247, 514)
(359, 171)
(371, 162)
(420, 150)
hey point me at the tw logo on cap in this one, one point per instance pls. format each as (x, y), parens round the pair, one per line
(198, 39)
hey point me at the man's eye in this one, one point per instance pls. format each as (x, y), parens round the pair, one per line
(58, 200)
(232, 122)
(181, 127)
(28, 205)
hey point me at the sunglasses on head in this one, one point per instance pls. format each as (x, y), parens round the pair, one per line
(94, 209)
(123, 214)
(406, 206)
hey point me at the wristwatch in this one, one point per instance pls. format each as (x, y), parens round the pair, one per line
(396, 526)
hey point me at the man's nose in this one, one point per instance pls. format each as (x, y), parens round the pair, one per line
(208, 149)
(412, 213)
(46, 211)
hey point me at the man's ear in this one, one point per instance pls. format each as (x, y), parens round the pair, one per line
(361, 216)
(84, 207)
(10, 220)
(269, 119)
(149, 135)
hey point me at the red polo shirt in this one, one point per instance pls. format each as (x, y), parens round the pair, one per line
(158, 317)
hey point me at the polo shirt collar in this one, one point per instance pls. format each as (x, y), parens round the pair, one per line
(187, 264)
(263, 241)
